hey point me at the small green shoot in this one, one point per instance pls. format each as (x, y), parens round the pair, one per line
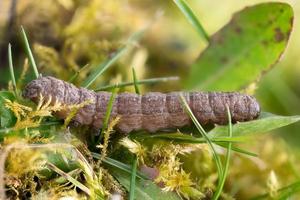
(135, 159)
(227, 160)
(139, 82)
(136, 87)
(204, 135)
(108, 112)
(191, 17)
(73, 78)
(29, 53)
(132, 179)
(11, 69)
(283, 193)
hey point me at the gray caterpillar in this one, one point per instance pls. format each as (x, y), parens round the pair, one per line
(151, 112)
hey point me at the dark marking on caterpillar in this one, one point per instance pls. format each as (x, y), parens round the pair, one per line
(151, 112)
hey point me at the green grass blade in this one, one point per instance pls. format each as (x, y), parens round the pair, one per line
(101, 68)
(136, 87)
(283, 193)
(227, 160)
(117, 164)
(238, 150)
(29, 53)
(108, 112)
(191, 17)
(132, 179)
(72, 79)
(184, 138)
(11, 69)
(204, 135)
(69, 178)
(139, 82)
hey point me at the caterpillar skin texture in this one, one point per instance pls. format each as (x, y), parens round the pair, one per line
(151, 112)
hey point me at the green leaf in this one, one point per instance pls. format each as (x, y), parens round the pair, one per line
(265, 123)
(144, 189)
(7, 118)
(242, 50)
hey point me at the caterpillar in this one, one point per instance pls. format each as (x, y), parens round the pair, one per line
(152, 111)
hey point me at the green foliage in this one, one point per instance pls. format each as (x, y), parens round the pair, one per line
(241, 51)
(266, 123)
(7, 118)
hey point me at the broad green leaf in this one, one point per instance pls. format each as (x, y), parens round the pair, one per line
(145, 189)
(242, 50)
(7, 118)
(265, 123)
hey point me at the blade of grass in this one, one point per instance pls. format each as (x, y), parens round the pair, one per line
(117, 164)
(139, 82)
(101, 68)
(132, 179)
(283, 193)
(72, 79)
(69, 178)
(62, 180)
(107, 113)
(11, 69)
(136, 87)
(135, 159)
(191, 17)
(182, 138)
(204, 135)
(191, 139)
(227, 160)
(238, 150)
(29, 53)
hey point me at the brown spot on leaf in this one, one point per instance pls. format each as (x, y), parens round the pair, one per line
(265, 42)
(291, 21)
(218, 38)
(238, 29)
(279, 36)
(224, 60)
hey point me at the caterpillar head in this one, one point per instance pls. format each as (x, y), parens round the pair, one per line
(36, 88)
